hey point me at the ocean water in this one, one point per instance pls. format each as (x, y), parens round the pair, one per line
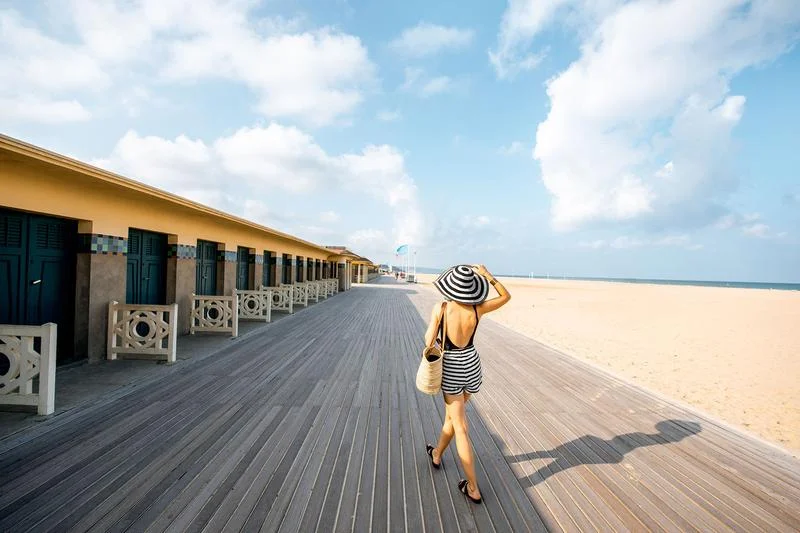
(697, 283)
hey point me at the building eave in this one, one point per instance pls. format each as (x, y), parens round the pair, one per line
(51, 158)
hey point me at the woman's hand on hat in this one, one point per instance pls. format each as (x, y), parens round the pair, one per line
(480, 269)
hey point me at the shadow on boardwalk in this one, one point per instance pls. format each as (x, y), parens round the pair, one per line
(593, 450)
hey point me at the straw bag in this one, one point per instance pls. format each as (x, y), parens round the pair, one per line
(429, 373)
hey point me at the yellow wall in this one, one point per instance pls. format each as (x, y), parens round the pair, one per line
(110, 209)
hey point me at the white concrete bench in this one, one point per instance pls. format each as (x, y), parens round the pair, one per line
(142, 330)
(16, 386)
(255, 305)
(215, 314)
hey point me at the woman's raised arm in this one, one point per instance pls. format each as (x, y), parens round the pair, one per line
(495, 303)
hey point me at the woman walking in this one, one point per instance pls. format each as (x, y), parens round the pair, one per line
(465, 289)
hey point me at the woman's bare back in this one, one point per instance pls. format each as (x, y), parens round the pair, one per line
(461, 323)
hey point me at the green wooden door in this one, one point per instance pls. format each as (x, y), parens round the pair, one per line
(266, 276)
(242, 268)
(13, 266)
(37, 274)
(13, 261)
(51, 270)
(206, 268)
(286, 274)
(147, 268)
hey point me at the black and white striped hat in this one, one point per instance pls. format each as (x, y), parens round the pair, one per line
(461, 284)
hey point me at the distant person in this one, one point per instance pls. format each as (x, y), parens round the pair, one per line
(465, 289)
(396, 275)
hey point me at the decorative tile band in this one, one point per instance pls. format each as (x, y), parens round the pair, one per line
(182, 251)
(95, 243)
(226, 255)
(257, 259)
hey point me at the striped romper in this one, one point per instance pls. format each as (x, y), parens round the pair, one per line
(461, 367)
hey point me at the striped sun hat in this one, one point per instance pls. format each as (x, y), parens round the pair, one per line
(461, 284)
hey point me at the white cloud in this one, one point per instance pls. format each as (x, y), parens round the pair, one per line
(317, 76)
(749, 224)
(329, 216)
(428, 39)
(32, 109)
(475, 221)
(314, 76)
(438, 85)
(726, 221)
(624, 242)
(182, 165)
(34, 61)
(522, 21)
(370, 243)
(411, 76)
(756, 230)
(253, 162)
(596, 244)
(639, 127)
(425, 87)
(41, 75)
(137, 98)
(673, 240)
(389, 116)
(515, 148)
(274, 156)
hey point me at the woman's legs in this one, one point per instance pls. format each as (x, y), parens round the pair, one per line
(456, 426)
(447, 432)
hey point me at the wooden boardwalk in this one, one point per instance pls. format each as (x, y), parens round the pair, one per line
(314, 423)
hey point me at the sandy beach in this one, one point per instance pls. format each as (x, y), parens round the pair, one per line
(731, 353)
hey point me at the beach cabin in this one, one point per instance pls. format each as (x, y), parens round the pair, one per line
(74, 239)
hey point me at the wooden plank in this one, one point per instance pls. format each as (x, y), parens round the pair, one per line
(200, 489)
(296, 447)
(320, 514)
(240, 503)
(311, 495)
(75, 482)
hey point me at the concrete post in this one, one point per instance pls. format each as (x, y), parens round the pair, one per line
(342, 275)
(256, 268)
(181, 280)
(101, 277)
(226, 271)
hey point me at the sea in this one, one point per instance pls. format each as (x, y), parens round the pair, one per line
(696, 283)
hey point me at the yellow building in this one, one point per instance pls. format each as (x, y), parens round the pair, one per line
(74, 237)
(359, 269)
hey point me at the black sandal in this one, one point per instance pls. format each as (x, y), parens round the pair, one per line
(463, 487)
(430, 449)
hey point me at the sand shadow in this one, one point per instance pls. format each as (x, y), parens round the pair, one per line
(593, 450)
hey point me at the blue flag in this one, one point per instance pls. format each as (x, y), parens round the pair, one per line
(402, 250)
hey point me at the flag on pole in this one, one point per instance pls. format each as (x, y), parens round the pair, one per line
(402, 250)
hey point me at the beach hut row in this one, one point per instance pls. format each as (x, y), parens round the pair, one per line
(94, 265)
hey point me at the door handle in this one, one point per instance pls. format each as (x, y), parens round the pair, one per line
(36, 282)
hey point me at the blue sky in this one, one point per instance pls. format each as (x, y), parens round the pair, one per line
(570, 137)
